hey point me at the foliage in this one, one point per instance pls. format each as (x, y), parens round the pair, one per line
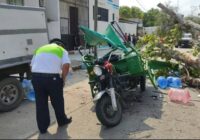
(169, 39)
(151, 17)
(196, 50)
(194, 19)
(136, 13)
(126, 12)
(161, 48)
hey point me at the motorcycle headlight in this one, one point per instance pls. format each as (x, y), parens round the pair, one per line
(97, 70)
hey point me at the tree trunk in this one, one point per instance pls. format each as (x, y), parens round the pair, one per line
(192, 82)
(184, 23)
(184, 58)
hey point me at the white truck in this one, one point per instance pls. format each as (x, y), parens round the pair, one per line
(22, 30)
(186, 40)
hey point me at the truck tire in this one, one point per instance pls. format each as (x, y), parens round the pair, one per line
(11, 94)
(106, 115)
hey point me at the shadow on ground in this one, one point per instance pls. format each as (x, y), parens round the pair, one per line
(60, 134)
(134, 117)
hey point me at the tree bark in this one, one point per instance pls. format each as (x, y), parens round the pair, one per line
(184, 58)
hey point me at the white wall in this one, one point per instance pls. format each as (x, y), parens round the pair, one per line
(52, 10)
(111, 9)
(150, 30)
(54, 30)
(53, 16)
(32, 3)
(129, 28)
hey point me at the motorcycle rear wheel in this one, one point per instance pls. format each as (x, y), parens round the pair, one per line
(105, 113)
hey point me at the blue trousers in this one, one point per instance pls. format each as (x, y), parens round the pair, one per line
(48, 86)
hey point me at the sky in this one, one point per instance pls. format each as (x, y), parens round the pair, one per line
(186, 7)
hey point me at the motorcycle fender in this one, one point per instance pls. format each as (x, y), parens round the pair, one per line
(99, 95)
(113, 99)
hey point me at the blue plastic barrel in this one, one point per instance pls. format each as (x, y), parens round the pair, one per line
(28, 89)
(162, 82)
(31, 95)
(176, 83)
(169, 80)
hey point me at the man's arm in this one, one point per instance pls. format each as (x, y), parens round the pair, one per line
(65, 65)
(31, 64)
(65, 70)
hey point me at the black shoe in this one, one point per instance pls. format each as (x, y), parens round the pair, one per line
(68, 121)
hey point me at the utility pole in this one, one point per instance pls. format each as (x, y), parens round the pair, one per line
(95, 23)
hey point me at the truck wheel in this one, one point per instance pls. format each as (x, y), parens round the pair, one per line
(105, 113)
(11, 94)
(143, 83)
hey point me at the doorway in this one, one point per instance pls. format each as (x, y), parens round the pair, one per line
(74, 30)
(73, 20)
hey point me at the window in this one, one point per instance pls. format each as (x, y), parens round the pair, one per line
(102, 14)
(41, 3)
(16, 2)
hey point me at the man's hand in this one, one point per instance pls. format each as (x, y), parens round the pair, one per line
(65, 70)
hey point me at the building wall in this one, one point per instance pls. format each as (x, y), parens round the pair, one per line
(113, 8)
(32, 3)
(53, 18)
(129, 28)
(65, 5)
(150, 30)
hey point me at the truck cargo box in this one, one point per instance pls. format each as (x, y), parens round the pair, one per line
(22, 30)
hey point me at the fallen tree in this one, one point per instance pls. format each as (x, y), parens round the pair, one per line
(189, 63)
(183, 23)
(189, 66)
(164, 47)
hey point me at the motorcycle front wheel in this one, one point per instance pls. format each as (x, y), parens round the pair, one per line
(105, 113)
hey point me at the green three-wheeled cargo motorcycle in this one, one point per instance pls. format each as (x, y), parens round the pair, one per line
(114, 77)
